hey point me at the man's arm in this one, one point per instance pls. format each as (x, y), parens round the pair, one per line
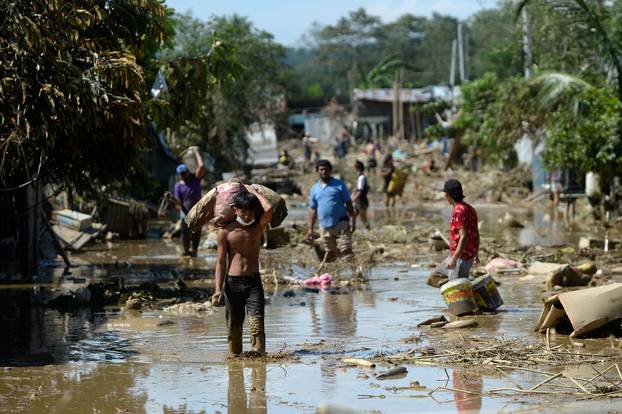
(221, 265)
(461, 245)
(200, 172)
(350, 209)
(477, 249)
(356, 195)
(345, 196)
(268, 210)
(312, 220)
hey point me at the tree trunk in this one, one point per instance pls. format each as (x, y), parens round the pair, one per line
(528, 57)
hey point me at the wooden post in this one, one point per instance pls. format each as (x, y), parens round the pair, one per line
(394, 123)
(400, 114)
(413, 126)
(418, 121)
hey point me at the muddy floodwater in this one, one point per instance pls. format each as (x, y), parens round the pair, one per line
(119, 361)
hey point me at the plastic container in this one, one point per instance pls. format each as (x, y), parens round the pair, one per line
(486, 295)
(458, 295)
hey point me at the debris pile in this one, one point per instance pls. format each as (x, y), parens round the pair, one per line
(595, 311)
(499, 353)
(74, 229)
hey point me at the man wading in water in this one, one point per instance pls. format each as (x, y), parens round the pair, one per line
(330, 201)
(463, 232)
(240, 241)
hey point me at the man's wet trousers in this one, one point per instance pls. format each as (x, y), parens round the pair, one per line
(244, 294)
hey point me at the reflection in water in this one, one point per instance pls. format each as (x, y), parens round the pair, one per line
(238, 400)
(339, 321)
(35, 335)
(83, 388)
(467, 381)
(339, 316)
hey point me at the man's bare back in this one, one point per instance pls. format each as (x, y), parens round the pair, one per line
(243, 243)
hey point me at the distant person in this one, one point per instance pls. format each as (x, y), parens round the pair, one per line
(284, 159)
(429, 168)
(187, 193)
(555, 178)
(316, 157)
(371, 149)
(237, 270)
(360, 200)
(330, 202)
(463, 232)
(307, 147)
(340, 149)
(387, 171)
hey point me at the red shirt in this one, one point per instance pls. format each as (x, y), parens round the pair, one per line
(464, 216)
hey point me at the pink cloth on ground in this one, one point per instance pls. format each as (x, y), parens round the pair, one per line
(322, 280)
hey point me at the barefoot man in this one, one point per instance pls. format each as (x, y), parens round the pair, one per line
(238, 249)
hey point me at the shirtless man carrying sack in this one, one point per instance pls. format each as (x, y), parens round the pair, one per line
(240, 285)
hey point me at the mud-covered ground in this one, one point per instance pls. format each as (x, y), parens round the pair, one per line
(167, 351)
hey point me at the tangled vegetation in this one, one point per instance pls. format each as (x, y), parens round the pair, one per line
(73, 86)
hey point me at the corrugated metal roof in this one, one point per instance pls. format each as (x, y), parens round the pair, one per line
(421, 95)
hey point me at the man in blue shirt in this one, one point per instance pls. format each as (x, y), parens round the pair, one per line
(330, 202)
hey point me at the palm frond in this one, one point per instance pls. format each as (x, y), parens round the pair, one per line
(557, 89)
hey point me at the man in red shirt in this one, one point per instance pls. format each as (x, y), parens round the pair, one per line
(463, 232)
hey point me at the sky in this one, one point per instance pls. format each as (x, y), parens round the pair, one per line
(288, 20)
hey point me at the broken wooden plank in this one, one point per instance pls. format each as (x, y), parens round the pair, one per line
(72, 239)
(358, 361)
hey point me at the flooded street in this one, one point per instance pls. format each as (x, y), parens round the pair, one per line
(116, 360)
(388, 206)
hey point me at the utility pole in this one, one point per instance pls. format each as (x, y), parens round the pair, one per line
(528, 57)
(396, 91)
(452, 67)
(400, 108)
(461, 53)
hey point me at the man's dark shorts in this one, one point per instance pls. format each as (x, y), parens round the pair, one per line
(362, 203)
(243, 294)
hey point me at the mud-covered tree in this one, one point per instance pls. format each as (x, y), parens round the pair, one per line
(72, 87)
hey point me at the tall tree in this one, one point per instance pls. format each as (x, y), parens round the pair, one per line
(495, 42)
(72, 90)
(223, 106)
(595, 24)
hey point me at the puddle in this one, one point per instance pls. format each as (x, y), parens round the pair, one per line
(110, 361)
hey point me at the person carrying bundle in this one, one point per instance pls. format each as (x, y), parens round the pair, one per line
(238, 281)
(187, 193)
